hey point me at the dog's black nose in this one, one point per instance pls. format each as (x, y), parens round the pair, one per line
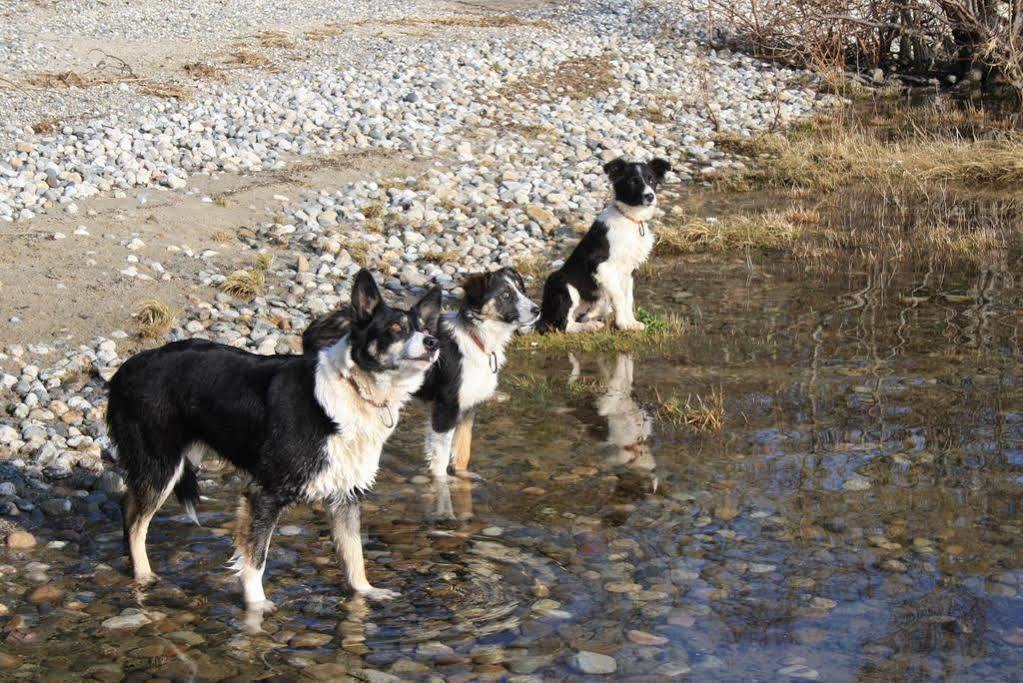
(431, 343)
(648, 197)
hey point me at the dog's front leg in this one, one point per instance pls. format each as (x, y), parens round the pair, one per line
(440, 436)
(462, 445)
(258, 514)
(344, 527)
(613, 284)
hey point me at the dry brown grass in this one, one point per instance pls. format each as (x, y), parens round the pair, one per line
(154, 319)
(442, 257)
(577, 79)
(695, 413)
(245, 285)
(373, 211)
(165, 89)
(953, 146)
(728, 233)
(497, 21)
(264, 262)
(325, 32)
(249, 58)
(359, 251)
(46, 126)
(202, 71)
(273, 39)
(535, 267)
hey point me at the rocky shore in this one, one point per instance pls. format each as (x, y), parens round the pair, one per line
(509, 125)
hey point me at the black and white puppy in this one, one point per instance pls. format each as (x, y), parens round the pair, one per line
(306, 428)
(472, 353)
(597, 278)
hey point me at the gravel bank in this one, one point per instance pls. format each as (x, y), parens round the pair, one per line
(511, 120)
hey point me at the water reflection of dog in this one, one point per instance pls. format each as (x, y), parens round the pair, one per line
(628, 425)
(452, 499)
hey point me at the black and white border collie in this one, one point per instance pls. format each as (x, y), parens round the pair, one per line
(472, 353)
(306, 428)
(597, 278)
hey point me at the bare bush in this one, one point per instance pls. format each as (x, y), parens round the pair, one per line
(919, 39)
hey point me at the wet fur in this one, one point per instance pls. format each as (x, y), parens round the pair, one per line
(464, 375)
(301, 432)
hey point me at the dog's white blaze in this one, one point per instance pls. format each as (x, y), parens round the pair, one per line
(353, 453)
(523, 306)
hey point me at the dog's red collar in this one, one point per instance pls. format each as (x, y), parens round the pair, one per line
(382, 405)
(641, 224)
(636, 451)
(479, 343)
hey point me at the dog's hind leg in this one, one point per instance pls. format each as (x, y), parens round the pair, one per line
(140, 504)
(258, 514)
(345, 519)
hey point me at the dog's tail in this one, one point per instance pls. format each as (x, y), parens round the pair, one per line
(187, 491)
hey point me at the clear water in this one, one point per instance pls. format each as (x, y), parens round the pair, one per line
(858, 517)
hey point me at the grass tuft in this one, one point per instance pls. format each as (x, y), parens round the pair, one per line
(264, 262)
(245, 285)
(154, 319)
(695, 413)
(660, 332)
(730, 233)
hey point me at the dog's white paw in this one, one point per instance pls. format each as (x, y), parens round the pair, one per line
(145, 580)
(631, 325)
(263, 606)
(468, 475)
(371, 593)
(591, 326)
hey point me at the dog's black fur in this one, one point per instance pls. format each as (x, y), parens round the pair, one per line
(261, 413)
(634, 185)
(493, 296)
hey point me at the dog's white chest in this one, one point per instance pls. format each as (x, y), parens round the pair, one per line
(479, 381)
(352, 461)
(629, 245)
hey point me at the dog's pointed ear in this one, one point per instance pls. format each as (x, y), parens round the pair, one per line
(365, 296)
(515, 276)
(475, 287)
(615, 168)
(660, 167)
(428, 309)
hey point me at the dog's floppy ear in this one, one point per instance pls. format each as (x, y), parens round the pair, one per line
(365, 296)
(660, 167)
(615, 168)
(428, 309)
(475, 287)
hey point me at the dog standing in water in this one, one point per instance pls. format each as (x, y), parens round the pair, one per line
(472, 353)
(306, 428)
